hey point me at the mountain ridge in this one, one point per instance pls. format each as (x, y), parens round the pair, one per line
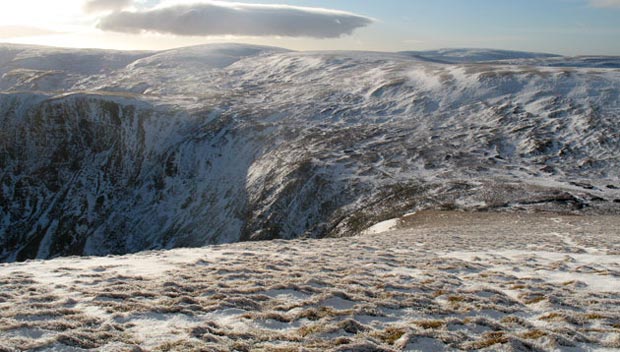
(259, 143)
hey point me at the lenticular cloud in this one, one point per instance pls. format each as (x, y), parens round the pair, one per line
(92, 6)
(217, 18)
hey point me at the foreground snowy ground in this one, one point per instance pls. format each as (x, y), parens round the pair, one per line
(439, 281)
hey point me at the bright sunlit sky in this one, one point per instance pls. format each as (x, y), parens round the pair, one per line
(571, 27)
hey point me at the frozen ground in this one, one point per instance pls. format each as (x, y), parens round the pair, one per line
(437, 281)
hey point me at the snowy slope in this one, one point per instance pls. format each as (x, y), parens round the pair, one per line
(215, 144)
(579, 61)
(509, 57)
(475, 55)
(441, 281)
(25, 67)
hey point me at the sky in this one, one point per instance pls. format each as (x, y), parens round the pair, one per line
(569, 27)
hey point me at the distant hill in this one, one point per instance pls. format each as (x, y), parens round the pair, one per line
(455, 56)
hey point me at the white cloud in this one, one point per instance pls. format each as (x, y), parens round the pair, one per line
(92, 6)
(213, 18)
(605, 3)
(40, 14)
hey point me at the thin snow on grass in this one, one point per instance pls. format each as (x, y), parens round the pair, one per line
(441, 281)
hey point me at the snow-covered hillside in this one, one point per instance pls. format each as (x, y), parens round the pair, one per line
(441, 281)
(456, 56)
(214, 144)
(24, 67)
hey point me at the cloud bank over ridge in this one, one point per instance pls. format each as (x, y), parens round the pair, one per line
(92, 6)
(215, 18)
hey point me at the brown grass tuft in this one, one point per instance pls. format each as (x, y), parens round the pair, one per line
(429, 324)
(390, 334)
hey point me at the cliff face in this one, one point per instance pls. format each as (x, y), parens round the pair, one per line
(91, 174)
(225, 143)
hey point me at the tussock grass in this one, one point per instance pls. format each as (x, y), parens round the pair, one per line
(430, 324)
(390, 335)
(393, 299)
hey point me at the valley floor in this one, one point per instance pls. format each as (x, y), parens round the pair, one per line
(439, 281)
